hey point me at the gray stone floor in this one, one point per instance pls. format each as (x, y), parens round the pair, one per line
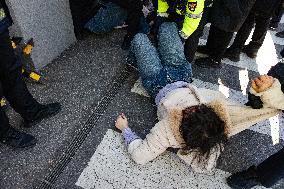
(88, 79)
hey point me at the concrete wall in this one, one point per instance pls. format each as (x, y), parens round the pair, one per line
(49, 22)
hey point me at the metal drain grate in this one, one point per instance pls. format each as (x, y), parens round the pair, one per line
(98, 110)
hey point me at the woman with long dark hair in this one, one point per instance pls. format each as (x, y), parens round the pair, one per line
(198, 121)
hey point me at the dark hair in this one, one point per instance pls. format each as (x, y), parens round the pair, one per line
(202, 129)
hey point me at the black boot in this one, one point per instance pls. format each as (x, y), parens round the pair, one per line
(126, 42)
(203, 49)
(45, 111)
(233, 54)
(208, 63)
(280, 34)
(17, 139)
(250, 52)
(245, 179)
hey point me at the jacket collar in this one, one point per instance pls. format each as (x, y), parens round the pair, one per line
(175, 115)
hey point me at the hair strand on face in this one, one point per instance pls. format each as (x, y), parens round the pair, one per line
(202, 129)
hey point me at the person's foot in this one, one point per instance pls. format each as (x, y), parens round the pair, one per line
(244, 179)
(280, 34)
(17, 139)
(233, 54)
(126, 42)
(208, 63)
(44, 112)
(250, 52)
(203, 49)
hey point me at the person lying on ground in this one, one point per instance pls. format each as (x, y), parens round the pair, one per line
(115, 13)
(198, 121)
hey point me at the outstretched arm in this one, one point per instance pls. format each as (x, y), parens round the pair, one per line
(268, 89)
(143, 151)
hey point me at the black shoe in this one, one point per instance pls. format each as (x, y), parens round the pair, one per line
(17, 139)
(233, 54)
(244, 180)
(44, 112)
(208, 63)
(126, 42)
(280, 34)
(252, 53)
(203, 49)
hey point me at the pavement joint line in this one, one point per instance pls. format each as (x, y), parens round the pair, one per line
(78, 140)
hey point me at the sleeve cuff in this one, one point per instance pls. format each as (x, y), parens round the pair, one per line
(183, 35)
(129, 136)
(163, 14)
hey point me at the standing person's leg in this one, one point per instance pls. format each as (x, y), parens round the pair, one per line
(10, 136)
(134, 12)
(276, 17)
(13, 86)
(4, 121)
(15, 89)
(267, 173)
(217, 43)
(233, 53)
(272, 169)
(261, 27)
(191, 43)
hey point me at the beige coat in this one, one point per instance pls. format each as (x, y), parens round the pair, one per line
(237, 117)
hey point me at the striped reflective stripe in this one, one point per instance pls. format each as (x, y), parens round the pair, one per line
(2, 14)
(195, 16)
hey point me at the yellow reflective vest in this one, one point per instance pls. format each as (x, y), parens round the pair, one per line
(193, 14)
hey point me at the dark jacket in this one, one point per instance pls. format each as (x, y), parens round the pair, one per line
(229, 15)
(5, 18)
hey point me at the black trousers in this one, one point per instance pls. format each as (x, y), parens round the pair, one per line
(134, 10)
(272, 169)
(217, 42)
(261, 22)
(277, 15)
(13, 87)
(191, 43)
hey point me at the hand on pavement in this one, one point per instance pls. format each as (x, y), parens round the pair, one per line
(121, 122)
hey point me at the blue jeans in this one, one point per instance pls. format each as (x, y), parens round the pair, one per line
(112, 15)
(108, 17)
(160, 67)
